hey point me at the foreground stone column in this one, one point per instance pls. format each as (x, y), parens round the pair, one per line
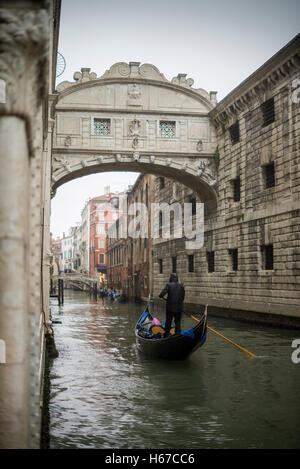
(24, 86)
(13, 282)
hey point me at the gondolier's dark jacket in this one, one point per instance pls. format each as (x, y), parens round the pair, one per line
(175, 293)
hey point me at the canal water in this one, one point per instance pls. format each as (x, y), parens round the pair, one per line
(105, 394)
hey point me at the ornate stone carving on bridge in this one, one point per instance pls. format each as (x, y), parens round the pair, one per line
(62, 163)
(205, 168)
(84, 75)
(135, 131)
(134, 70)
(68, 141)
(199, 146)
(182, 80)
(134, 95)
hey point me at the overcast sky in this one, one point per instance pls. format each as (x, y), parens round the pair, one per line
(218, 43)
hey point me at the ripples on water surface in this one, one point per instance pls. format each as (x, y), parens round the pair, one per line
(105, 394)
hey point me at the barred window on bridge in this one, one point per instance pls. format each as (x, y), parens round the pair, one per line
(102, 127)
(167, 129)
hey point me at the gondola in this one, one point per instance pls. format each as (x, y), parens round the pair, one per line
(151, 342)
(120, 298)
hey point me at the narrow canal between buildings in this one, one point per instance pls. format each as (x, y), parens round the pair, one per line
(105, 394)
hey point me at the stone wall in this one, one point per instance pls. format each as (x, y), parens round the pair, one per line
(265, 216)
(28, 47)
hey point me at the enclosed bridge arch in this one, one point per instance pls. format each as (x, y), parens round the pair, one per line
(133, 119)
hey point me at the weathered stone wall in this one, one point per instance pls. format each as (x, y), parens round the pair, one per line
(28, 41)
(264, 215)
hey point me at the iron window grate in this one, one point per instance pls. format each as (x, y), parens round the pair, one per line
(161, 182)
(267, 257)
(191, 262)
(167, 129)
(268, 112)
(174, 264)
(210, 256)
(234, 131)
(269, 175)
(193, 201)
(236, 188)
(102, 127)
(234, 259)
(160, 225)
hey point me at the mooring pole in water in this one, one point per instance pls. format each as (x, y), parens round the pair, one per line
(60, 292)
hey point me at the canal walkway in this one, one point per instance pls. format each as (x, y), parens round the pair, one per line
(105, 394)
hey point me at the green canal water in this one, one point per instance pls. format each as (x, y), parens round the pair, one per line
(105, 394)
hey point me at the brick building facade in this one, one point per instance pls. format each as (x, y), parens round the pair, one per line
(104, 210)
(130, 258)
(97, 216)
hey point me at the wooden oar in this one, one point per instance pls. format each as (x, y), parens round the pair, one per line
(223, 337)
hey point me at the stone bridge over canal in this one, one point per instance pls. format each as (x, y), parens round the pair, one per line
(133, 119)
(76, 280)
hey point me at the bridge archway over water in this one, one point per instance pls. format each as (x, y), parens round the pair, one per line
(133, 119)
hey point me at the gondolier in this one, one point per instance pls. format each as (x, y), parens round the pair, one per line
(176, 293)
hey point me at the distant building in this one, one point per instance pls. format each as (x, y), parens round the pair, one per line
(76, 247)
(96, 217)
(67, 252)
(56, 250)
(84, 246)
(130, 257)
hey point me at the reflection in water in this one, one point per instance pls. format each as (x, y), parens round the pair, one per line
(105, 394)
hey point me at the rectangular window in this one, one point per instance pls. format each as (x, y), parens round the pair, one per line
(268, 112)
(234, 131)
(100, 229)
(146, 195)
(174, 264)
(210, 256)
(191, 262)
(101, 243)
(233, 253)
(192, 200)
(269, 175)
(161, 182)
(160, 266)
(267, 257)
(101, 258)
(160, 220)
(167, 129)
(102, 127)
(236, 189)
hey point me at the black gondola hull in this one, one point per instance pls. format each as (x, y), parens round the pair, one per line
(175, 347)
